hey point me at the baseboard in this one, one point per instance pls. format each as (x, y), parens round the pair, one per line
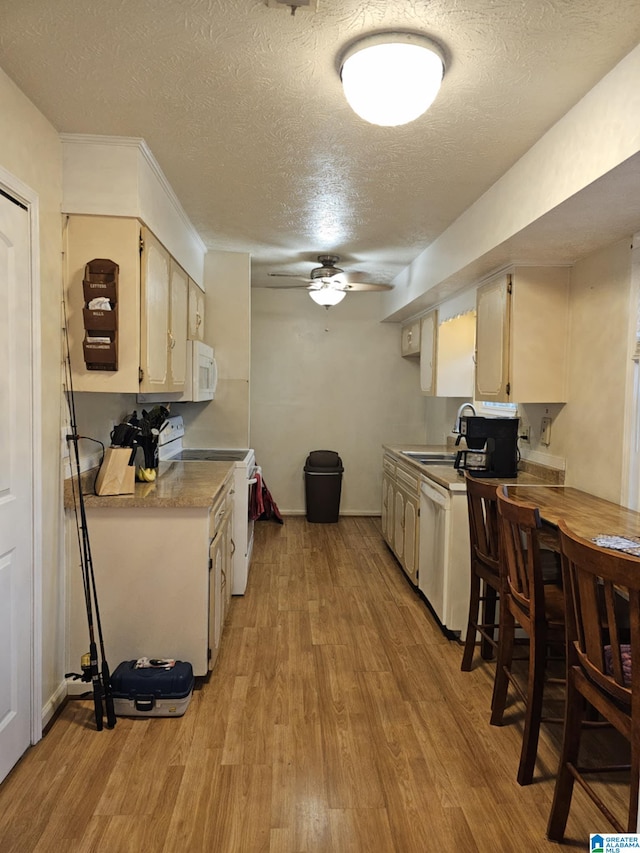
(56, 700)
(352, 512)
(77, 688)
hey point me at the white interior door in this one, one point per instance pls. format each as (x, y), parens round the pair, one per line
(16, 479)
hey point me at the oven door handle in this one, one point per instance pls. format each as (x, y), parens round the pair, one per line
(254, 480)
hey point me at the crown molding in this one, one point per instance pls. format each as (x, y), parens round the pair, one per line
(141, 146)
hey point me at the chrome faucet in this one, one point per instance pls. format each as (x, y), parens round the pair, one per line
(456, 426)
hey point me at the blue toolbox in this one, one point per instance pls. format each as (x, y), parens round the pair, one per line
(152, 688)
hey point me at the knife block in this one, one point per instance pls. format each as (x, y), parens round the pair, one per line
(116, 476)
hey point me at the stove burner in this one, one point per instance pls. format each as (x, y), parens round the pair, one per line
(191, 455)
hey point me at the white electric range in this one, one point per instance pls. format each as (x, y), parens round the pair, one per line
(171, 449)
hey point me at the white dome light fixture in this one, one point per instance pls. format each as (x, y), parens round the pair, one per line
(327, 295)
(391, 79)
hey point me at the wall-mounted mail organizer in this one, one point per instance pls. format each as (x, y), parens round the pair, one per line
(100, 314)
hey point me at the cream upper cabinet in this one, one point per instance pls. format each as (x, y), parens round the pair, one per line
(154, 325)
(428, 351)
(521, 336)
(411, 339)
(178, 301)
(163, 322)
(455, 368)
(87, 238)
(150, 310)
(196, 312)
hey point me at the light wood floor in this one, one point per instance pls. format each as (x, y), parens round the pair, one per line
(336, 720)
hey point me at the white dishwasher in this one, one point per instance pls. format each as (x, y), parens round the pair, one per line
(444, 554)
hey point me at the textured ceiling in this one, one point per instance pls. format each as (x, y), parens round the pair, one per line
(242, 107)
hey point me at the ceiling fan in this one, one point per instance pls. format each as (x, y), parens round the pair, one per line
(328, 284)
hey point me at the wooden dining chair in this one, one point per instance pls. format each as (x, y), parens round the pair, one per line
(485, 578)
(602, 590)
(538, 608)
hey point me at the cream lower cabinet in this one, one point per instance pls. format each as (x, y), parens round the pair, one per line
(220, 568)
(159, 581)
(402, 496)
(522, 336)
(388, 479)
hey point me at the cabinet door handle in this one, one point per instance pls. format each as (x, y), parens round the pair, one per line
(172, 340)
(198, 320)
(233, 547)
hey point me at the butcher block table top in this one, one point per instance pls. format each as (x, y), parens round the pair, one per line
(584, 514)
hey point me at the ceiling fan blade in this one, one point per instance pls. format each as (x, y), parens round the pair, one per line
(289, 275)
(340, 280)
(305, 286)
(364, 286)
(351, 282)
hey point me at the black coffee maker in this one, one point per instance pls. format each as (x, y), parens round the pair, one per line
(491, 446)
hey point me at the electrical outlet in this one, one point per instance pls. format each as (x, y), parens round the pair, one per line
(525, 433)
(545, 431)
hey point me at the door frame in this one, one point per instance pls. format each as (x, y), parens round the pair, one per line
(630, 491)
(23, 193)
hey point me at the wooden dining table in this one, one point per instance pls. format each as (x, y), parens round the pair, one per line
(586, 515)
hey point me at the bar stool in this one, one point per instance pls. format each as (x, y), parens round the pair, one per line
(482, 505)
(538, 609)
(603, 668)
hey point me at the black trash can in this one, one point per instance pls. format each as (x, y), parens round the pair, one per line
(322, 486)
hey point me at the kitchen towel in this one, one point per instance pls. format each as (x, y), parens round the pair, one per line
(256, 504)
(270, 510)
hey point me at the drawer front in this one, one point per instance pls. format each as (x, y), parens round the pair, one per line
(408, 480)
(217, 513)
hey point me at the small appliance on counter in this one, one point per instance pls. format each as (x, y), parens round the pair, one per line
(489, 446)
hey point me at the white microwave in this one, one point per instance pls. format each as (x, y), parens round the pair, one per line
(202, 372)
(201, 378)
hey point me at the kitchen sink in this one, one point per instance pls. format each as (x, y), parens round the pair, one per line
(425, 457)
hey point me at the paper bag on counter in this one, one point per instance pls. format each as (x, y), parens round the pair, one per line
(116, 476)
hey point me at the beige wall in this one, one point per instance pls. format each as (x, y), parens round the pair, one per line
(598, 135)
(224, 422)
(30, 150)
(592, 424)
(588, 431)
(328, 380)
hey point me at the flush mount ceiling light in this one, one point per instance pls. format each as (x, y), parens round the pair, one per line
(392, 78)
(327, 295)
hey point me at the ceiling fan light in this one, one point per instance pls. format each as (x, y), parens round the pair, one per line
(391, 79)
(327, 296)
